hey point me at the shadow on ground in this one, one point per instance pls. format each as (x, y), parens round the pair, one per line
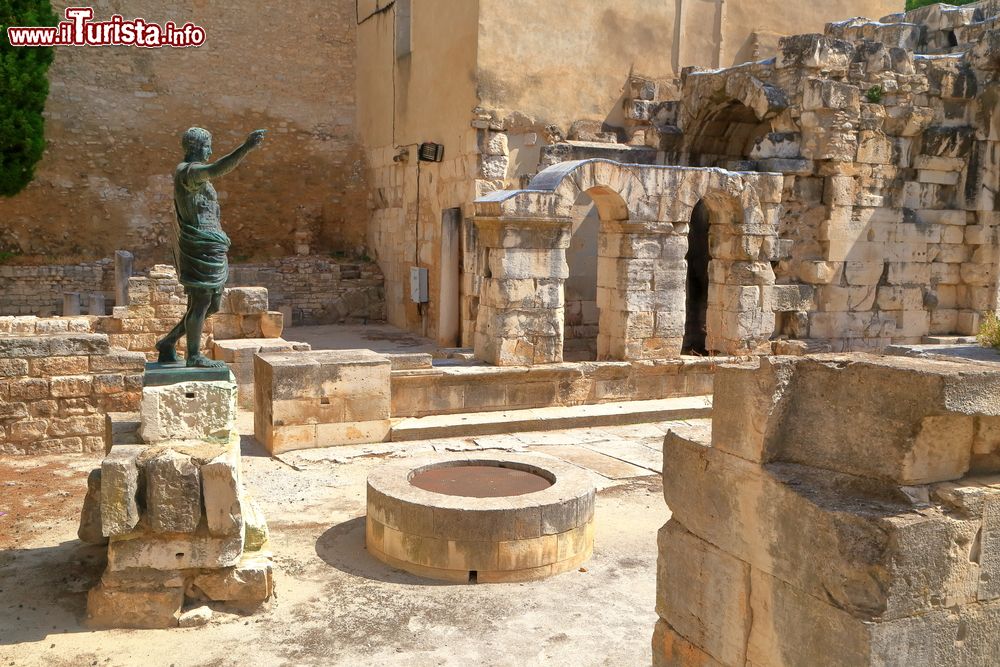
(56, 601)
(343, 547)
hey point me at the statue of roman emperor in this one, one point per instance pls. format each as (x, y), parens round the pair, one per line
(201, 245)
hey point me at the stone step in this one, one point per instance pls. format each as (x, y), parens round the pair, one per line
(552, 418)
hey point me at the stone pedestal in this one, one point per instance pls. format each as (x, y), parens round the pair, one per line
(169, 502)
(321, 398)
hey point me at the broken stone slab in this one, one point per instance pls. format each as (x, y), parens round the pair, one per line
(221, 489)
(90, 516)
(173, 551)
(255, 525)
(131, 608)
(188, 411)
(702, 593)
(173, 493)
(246, 300)
(195, 617)
(868, 548)
(250, 581)
(120, 486)
(918, 414)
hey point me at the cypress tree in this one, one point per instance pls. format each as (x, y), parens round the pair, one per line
(23, 89)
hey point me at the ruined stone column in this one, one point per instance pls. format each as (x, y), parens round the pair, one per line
(521, 305)
(640, 292)
(123, 271)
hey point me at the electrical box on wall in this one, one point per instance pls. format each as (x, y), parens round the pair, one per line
(418, 284)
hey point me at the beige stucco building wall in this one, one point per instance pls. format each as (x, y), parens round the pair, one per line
(115, 116)
(424, 95)
(526, 65)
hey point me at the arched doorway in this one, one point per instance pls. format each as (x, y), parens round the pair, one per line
(696, 285)
(581, 313)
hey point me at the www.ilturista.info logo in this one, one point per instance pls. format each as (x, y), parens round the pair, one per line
(79, 30)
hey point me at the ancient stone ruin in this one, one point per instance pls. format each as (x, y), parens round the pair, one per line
(840, 196)
(843, 510)
(169, 502)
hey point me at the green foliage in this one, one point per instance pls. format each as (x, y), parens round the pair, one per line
(7, 255)
(23, 89)
(913, 4)
(989, 331)
(874, 94)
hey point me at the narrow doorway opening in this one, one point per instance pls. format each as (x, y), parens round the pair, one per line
(696, 316)
(581, 313)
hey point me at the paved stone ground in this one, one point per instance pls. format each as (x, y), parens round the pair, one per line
(377, 337)
(335, 604)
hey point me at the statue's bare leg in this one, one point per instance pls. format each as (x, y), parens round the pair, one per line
(167, 346)
(199, 304)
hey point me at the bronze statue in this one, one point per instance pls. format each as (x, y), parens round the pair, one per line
(201, 245)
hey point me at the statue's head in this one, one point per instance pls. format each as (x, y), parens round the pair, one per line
(197, 144)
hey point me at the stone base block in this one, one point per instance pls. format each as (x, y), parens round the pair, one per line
(188, 411)
(321, 398)
(250, 581)
(133, 608)
(177, 551)
(672, 650)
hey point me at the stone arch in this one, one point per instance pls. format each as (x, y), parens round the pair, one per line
(645, 213)
(728, 117)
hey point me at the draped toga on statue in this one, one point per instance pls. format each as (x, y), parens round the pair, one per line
(200, 246)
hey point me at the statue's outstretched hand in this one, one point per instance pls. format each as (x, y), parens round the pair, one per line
(255, 139)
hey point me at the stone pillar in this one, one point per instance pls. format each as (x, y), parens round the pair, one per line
(123, 271)
(521, 303)
(95, 304)
(640, 293)
(841, 510)
(71, 304)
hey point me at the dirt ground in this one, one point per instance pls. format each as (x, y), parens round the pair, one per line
(335, 604)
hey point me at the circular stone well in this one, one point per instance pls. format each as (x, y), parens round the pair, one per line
(486, 518)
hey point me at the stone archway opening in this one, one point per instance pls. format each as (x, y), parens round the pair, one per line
(582, 316)
(724, 134)
(696, 284)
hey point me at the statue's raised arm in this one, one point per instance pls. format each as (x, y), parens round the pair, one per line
(225, 164)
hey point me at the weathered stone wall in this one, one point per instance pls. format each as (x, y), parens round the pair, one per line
(890, 160)
(38, 290)
(115, 115)
(318, 290)
(842, 511)
(55, 389)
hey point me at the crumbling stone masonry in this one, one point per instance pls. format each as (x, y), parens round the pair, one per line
(843, 511)
(858, 206)
(641, 268)
(169, 502)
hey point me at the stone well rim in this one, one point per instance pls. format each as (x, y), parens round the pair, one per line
(568, 481)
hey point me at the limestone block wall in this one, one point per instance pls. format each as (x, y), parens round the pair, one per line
(842, 511)
(406, 224)
(38, 290)
(157, 302)
(885, 134)
(114, 118)
(318, 290)
(452, 390)
(56, 387)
